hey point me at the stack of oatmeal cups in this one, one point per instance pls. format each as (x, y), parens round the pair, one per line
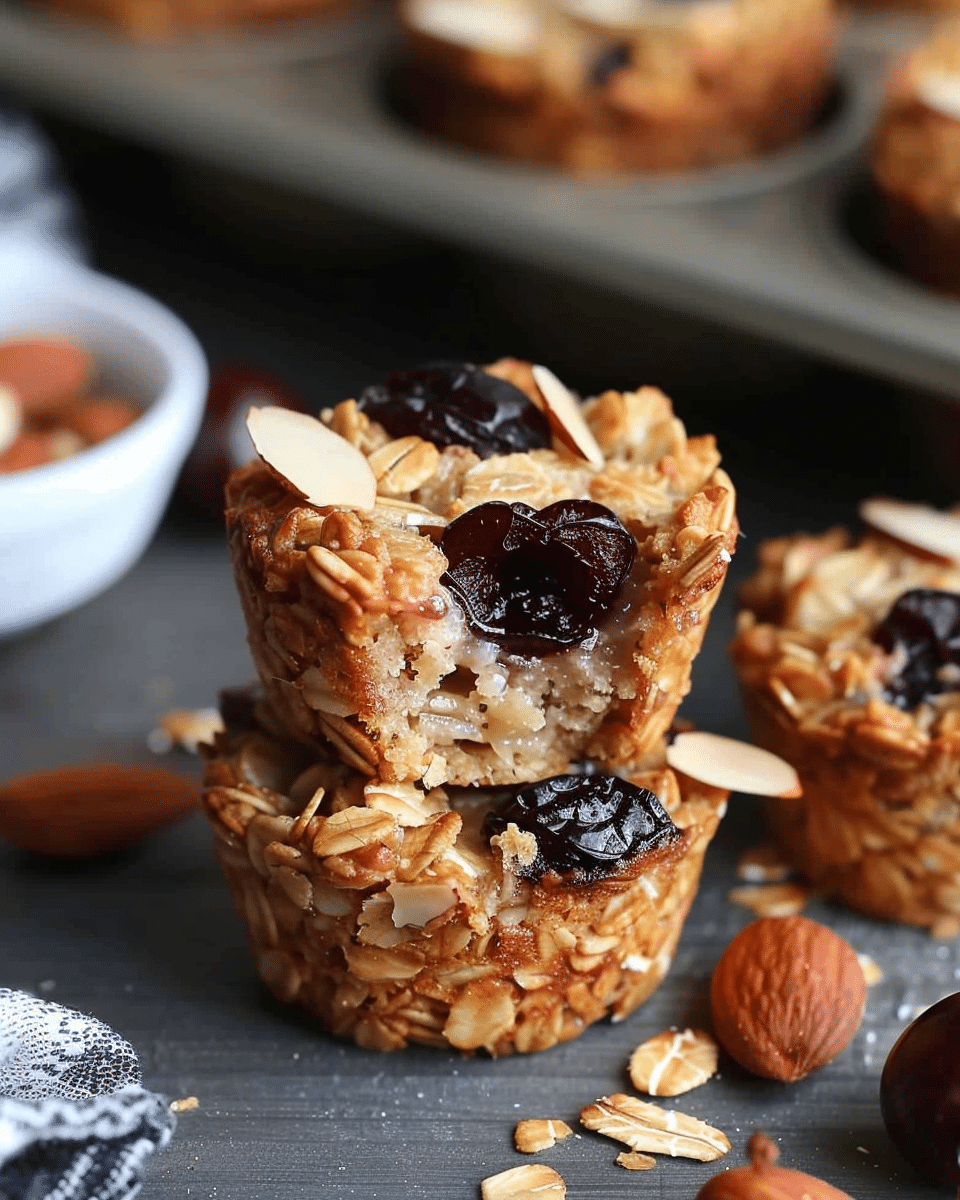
(473, 603)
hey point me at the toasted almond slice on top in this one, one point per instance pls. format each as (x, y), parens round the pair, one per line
(319, 465)
(11, 417)
(726, 763)
(926, 528)
(566, 419)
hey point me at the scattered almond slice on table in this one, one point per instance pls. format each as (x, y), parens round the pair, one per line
(532, 1182)
(532, 1136)
(651, 1129)
(926, 528)
(673, 1062)
(185, 728)
(763, 864)
(872, 974)
(771, 899)
(633, 1160)
(319, 465)
(724, 762)
(565, 417)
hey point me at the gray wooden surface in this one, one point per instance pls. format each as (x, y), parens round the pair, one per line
(148, 941)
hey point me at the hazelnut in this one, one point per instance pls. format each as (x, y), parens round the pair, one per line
(764, 1180)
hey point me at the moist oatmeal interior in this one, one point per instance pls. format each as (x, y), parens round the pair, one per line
(359, 645)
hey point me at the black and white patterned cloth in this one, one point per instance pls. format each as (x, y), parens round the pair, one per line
(75, 1122)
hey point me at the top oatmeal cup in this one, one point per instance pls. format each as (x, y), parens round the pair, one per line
(525, 584)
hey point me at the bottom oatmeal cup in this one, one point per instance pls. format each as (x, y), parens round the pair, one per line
(396, 915)
(846, 656)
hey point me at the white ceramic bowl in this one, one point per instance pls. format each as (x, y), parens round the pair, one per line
(70, 529)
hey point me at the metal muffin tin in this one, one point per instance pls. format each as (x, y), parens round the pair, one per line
(772, 248)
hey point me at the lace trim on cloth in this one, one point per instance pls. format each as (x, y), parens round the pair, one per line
(75, 1124)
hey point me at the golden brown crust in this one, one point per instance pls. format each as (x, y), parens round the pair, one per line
(329, 882)
(915, 159)
(359, 645)
(706, 84)
(878, 825)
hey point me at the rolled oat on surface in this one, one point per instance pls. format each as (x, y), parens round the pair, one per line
(380, 633)
(846, 654)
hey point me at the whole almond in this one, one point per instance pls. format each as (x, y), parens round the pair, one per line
(92, 808)
(764, 1180)
(787, 996)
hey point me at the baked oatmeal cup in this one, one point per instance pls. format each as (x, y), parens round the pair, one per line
(506, 605)
(848, 656)
(915, 161)
(458, 918)
(618, 85)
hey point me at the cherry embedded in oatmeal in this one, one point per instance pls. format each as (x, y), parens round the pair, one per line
(588, 827)
(534, 582)
(457, 404)
(922, 632)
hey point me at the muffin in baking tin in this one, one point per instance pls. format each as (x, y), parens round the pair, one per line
(509, 601)
(915, 161)
(618, 85)
(464, 918)
(848, 656)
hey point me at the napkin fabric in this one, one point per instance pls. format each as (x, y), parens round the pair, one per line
(75, 1122)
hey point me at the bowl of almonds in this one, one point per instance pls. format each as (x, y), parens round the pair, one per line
(101, 395)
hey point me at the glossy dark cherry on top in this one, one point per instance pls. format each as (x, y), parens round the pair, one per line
(588, 827)
(923, 626)
(457, 404)
(535, 582)
(920, 1093)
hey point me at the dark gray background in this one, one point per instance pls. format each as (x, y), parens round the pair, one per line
(148, 942)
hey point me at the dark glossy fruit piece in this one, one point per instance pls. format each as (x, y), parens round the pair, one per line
(920, 1093)
(588, 827)
(534, 582)
(607, 64)
(457, 404)
(923, 628)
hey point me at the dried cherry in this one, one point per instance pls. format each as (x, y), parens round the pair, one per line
(457, 404)
(923, 629)
(920, 1093)
(535, 582)
(588, 827)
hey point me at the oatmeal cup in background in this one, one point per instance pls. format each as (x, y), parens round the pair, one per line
(510, 598)
(848, 657)
(915, 161)
(600, 86)
(463, 918)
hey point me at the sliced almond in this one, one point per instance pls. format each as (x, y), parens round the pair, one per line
(724, 762)
(872, 974)
(926, 528)
(654, 1130)
(771, 900)
(11, 417)
(763, 864)
(418, 903)
(566, 419)
(313, 461)
(940, 90)
(674, 1062)
(530, 1137)
(633, 1160)
(531, 1182)
(185, 728)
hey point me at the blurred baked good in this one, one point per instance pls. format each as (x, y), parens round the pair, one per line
(618, 85)
(507, 605)
(396, 914)
(915, 161)
(847, 655)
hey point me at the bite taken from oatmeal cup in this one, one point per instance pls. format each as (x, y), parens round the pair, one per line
(467, 577)
(848, 655)
(504, 920)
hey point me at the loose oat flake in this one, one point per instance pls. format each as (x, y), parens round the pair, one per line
(673, 1062)
(532, 1182)
(651, 1129)
(630, 1160)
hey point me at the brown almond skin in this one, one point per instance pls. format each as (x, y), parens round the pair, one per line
(92, 808)
(786, 997)
(764, 1180)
